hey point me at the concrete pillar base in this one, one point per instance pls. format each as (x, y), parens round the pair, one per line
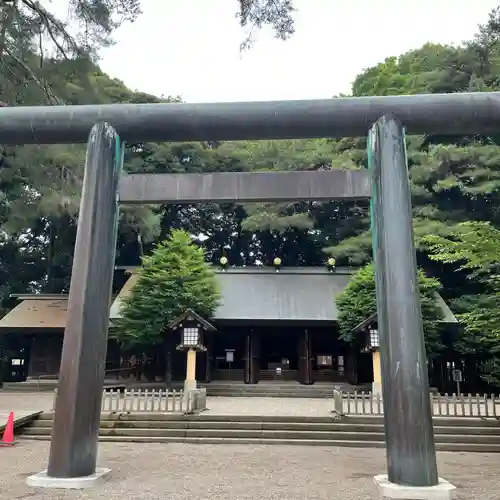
(189, 385)
(377, 388)
(442, 491)
(41, 480)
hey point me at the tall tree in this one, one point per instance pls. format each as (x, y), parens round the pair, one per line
(473, 248)
(30, 33)
(358, 302)
(175, 277)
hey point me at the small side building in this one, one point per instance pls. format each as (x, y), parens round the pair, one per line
(270, 325)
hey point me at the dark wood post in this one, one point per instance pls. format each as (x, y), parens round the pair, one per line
(308, 378)
(73, 449)
(304, 351)
(351, 366)
(255, 358)
(247, 376)
(209, 355)
(168, 364)
(411, 453)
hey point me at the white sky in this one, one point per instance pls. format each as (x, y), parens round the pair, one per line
(191, 47)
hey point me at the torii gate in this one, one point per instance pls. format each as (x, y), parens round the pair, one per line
(408, 423)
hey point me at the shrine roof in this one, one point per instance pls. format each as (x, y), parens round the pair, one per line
(248, 294)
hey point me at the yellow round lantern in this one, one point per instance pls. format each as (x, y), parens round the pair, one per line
(277, 262)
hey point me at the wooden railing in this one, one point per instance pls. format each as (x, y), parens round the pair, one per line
(152, 401)
(366, 403)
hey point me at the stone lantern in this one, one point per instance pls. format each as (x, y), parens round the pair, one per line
(192, 328)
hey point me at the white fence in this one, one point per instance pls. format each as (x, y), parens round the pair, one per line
(152, 401)
(366, 403)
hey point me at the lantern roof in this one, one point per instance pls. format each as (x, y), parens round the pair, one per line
(190, 315)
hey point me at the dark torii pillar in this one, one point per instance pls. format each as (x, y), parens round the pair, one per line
(73, 450)
(411, 453)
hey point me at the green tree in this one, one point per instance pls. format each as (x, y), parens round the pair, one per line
(453, 179)
(254, 14)
(358, 302)
(29, 30)
(474, 248)
(175, 277)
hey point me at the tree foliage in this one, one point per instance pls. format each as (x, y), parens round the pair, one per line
(254, 14)
(473, 247)
(454, 179)
(358, 302)
(30, 34)
(175, 277)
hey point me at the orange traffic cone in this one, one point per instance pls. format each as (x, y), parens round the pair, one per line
(8, 433)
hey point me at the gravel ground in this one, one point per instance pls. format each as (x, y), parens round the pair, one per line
(26, 401)
(223, 472)
(270, 406)
(236, 472)
(36, 401)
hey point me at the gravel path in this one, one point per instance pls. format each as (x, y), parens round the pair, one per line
(235, 472)
(36, 401)
(270, 406)
(26, 401)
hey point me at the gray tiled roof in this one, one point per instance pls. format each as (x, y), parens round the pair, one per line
(248, 293)
(305, 294)
(262, 294)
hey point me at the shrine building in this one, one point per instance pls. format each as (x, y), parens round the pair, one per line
(270, 325)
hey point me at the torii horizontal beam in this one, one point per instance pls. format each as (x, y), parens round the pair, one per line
(245, 187)
(447, 114)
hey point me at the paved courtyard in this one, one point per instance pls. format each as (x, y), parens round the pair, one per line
(43, 400)
(253, 472)
(206, 472)
(36, 401)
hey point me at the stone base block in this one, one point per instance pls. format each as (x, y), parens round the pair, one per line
(377, 388)
(189, 385)
(442, 491)
(41, 480)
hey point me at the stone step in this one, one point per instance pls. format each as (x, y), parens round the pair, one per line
(223, 393)
(145, 424)
(354, 420)
(227, 433)
(269, 434)
(230, 394)
(218, 440)
(458, 447)
(274, 390)
(299, 389)
(270, 426)
(270, 387)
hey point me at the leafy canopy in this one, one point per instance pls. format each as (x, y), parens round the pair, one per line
(175, 277)
(358, 302)
(474, 247)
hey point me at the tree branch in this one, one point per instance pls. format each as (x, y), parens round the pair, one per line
(30, 72)
(49, 20)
